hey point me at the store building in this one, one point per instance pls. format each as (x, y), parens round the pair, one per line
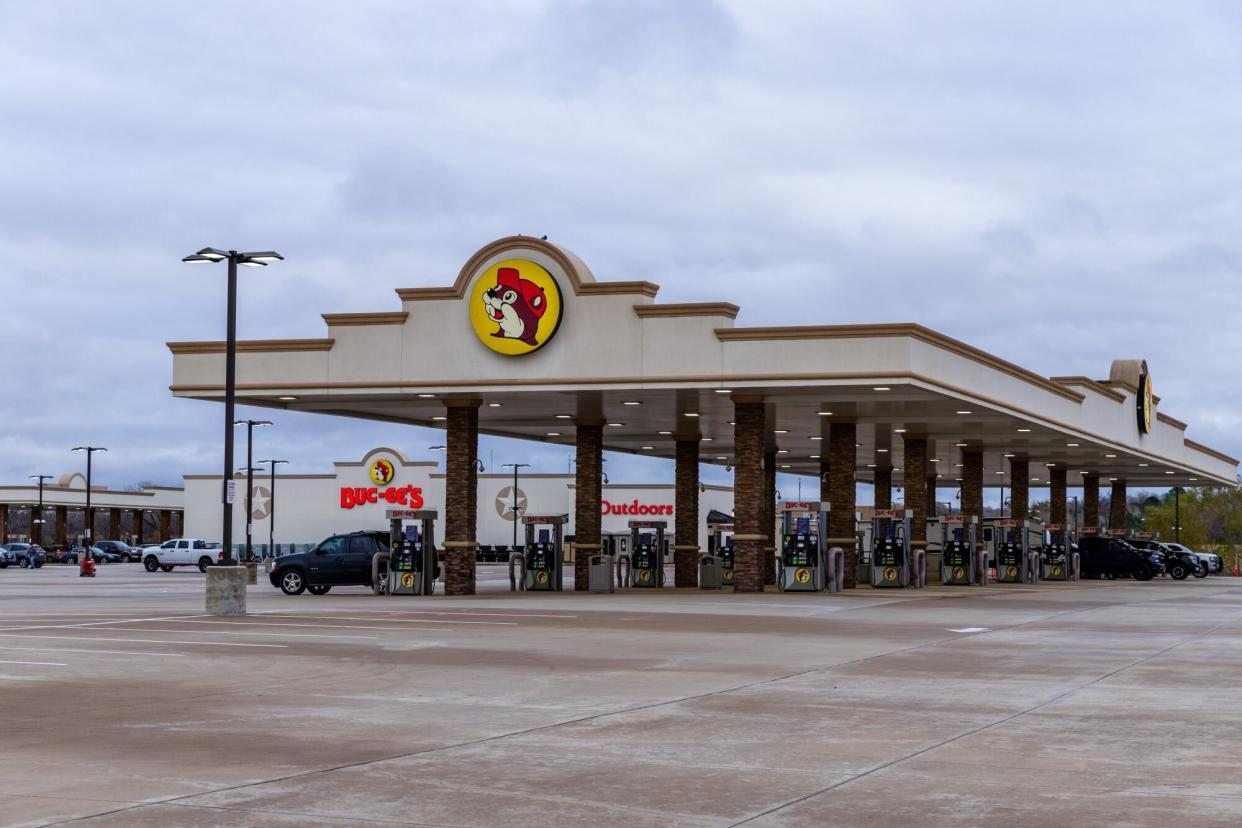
(147, 515)
(310, 507)
(526, 343)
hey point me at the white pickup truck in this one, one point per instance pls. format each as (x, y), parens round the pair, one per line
(182, 552)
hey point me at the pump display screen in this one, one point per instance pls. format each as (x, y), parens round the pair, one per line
(726, 556)
(539, 556)
(956, 554)
(644, 557)
(1054, 552)
(1009, 555)
(798, 550)
(887, 552)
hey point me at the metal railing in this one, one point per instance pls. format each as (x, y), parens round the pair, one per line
(623, 581)
(517, 582)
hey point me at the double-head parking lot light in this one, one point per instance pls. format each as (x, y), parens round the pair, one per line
(89, 451)
(259, 258)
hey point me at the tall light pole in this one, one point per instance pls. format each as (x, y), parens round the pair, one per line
(515, 467)
(210, 255)
(250, 426)
(271, 509)
(89, 516)
(1177, 514)
(38, 539)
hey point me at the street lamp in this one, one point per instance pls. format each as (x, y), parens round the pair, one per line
(271, 508)
(515, 467)
(38, 539)
(250, 426)
(210, 255)
(89, 515)
(1177, 514)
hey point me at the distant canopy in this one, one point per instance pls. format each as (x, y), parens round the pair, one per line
(715, 516)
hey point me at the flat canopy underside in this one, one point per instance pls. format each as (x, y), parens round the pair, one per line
(649, 421)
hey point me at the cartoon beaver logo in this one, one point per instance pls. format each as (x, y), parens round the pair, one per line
(516, 305)
(381, 472)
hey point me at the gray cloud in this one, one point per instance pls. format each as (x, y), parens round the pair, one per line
(1055, 185)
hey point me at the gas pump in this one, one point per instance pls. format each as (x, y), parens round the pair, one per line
(720, 544)
(1054, 555)
(1011, 559)
(890, 548)
(544, 551)
(412, 565)
(958, 556)
(803, 567)
(647, 553)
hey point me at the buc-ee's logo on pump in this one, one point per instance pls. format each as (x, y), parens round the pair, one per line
(382, 473)
(515, 307)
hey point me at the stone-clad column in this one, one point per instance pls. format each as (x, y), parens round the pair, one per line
(749, 538)
(915, 478)
(842, 469)
(165, 525)
(769, 517)
(36, 529)
(461, 508)
(686, 515)
(1020, 488)
(931, 492)
(883, 488)
(1056, 496)
(972, 488)
(4, 523)
(61, 521)
(1117, 508)
(114, 524)
(1091, 500)
(135, 525)
(588, 491)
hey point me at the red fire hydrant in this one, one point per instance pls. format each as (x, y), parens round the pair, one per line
(86, 569)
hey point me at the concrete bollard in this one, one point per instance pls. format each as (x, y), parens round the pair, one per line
(252, 572)
(226, 590)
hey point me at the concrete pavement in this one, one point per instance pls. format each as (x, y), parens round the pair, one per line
(1113, 703)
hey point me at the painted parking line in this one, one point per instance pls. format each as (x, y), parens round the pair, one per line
(316, 626)
(146, 641)
(278, 632)
(98, 623)
(434, 612)
(102, 652)
(40, 663)
(400, 620)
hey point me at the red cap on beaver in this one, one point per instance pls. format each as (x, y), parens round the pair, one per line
(533, 294)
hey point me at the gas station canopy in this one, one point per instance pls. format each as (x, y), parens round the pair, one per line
(528, 331)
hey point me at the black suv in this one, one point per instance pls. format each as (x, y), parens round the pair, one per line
(341, 560)
(1177, 564)
(1101, 557)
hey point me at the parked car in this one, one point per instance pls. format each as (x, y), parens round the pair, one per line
(6, 557)
(122, 549)
(61, 555)
(1214, 563)
(1178, 565)
(182, 552)
(27, 554)
(341, 560)
(1101, 557)
(100, 554)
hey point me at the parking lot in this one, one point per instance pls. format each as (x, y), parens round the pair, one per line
(1110, 703)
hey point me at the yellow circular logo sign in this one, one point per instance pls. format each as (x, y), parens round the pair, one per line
(515, 307)
(407, 580)
(958, 573)
(890, 574)
(1145, 401)
(541, 577)
(644, 575)
(1011, 571)
(1055, 571)
(382, 472)
(727, 574)
(802, 576)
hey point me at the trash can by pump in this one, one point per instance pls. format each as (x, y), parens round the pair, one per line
(711, 576)
(599, 568)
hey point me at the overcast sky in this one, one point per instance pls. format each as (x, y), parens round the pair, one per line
(1059, 184)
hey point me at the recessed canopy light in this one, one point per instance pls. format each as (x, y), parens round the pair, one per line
(786, 466)
(732, 423)
(1193, 479)
(960, 445)
(880, 388)
(957, 465)
(664, 433)
(722, 457)
(824, 413)
(426, 396)
(858, 445)
(965, 412)
(1110, 455)
(564, 416)
(940, 475)
(705, 439)
(781, 431)
(783, 451)
(899, 431)
(958, 479)
(647, 448)
(630, 402)
(1000, 472)
(553, 434)
(723, 391)
(1049, 465)
(817, 438)
(816, 457)
(494, 405)
(1143, 465)
(1112, 480)
(615, 425)
(871, 465)
(1034, 479)
(1072, 445)
(1009, 455)
(439, 419)
(1023, 430)
(881, 451)
(287, 399)
(934, 460)
(1169, 472)
(692, 414)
